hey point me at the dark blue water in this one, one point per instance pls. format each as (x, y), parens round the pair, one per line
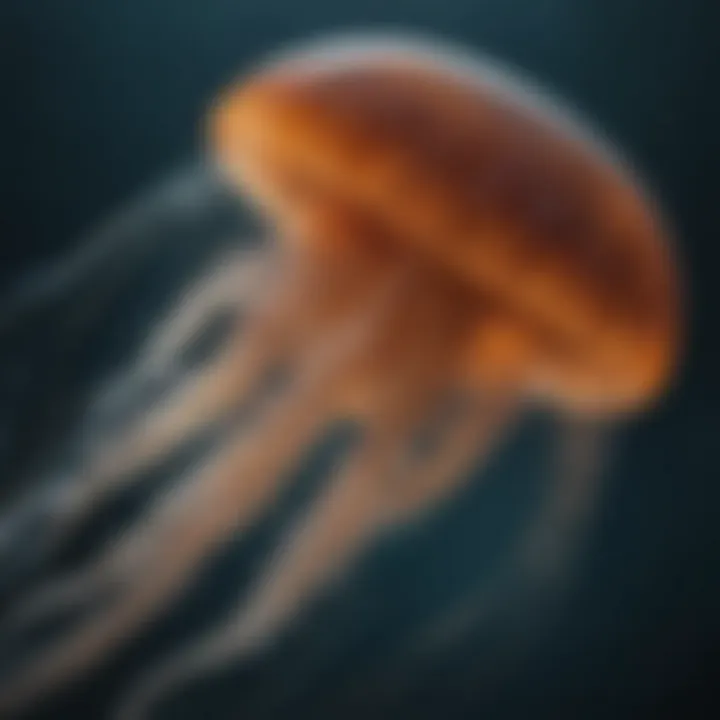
(102, 98)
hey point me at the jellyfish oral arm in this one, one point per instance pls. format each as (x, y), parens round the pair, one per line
(378, 489)
(467, 442)
(203, 398)
(235, 282)
(322, 544)
(154, 562)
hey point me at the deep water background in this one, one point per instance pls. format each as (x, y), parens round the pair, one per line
(101, 99)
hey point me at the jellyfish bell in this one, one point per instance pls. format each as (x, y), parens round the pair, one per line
(435, 229)
(566, 248)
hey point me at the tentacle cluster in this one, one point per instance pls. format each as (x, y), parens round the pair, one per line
(358, 337)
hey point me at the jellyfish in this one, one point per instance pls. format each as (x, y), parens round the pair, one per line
(447, 248)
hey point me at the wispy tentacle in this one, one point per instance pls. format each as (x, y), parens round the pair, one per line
(234, 282)
(203, 398)
(540, 562)
(176, 536)
(174, 539)
(371, 495)
(323, 543)
(555, 537)
(466, 442)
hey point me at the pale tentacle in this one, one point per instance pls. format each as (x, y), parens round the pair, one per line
(213, 390)
(208, 394)
(164, 553)
(299, 305)
(373, 494)
(79, 589)
(467, 443)
(176, 538)
(64, 504)
(402, 377)
(117, 243)
(234, 282)
(543, 554)
(555, 536)
(337, 528)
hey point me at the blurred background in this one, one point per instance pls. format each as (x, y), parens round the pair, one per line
(101, 99)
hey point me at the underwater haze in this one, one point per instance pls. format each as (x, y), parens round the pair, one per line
(109, 215)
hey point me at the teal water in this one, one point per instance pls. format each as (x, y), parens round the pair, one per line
(103, 98)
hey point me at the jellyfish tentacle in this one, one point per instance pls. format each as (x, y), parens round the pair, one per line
(215, 388)
(466, 443)
(227, 495)
(541, 557)
(312, 299)
(234, 282)
(581, 454)
(80, 588)
(303, 297)
(173, 542)
(322, 543)
(350, 512)
(209, 393)
(276, 327)
(65, 503)
(204, 397)
(155, 559)
(532, 566)
(359, 505)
